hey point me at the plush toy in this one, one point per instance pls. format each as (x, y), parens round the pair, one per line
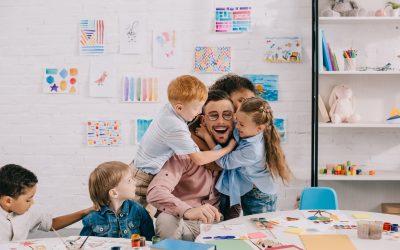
(342, 106)
(343, 8)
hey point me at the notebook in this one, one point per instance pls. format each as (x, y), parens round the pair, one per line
(169, 244)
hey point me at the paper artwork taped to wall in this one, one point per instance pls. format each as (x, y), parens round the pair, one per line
(266, 86)
(91, 41)
(132, 34)
(103, 133)
(139, 89)
(233, 19)
(142, 124)
(60, 80)
(283, 50)
(212, 59)
(280, 125)
(166, 52)
(102, 80)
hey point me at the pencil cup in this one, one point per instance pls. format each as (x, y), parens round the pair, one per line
(350, 64)
(375, 230)
(363, 229)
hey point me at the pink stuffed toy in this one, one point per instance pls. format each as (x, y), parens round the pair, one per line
(342, 107)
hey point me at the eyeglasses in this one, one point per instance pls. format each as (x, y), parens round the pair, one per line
(226, 115)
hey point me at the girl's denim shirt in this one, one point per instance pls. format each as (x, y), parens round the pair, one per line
(131, 219)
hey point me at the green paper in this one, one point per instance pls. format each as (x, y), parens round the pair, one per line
(230, 244)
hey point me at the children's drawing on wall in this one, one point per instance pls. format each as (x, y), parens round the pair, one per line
(166, 53)
(142, 124)
(266, 86)
(103, 133)
(280, 125)
(132, 34)
(102, 80)
(60, 80)
(139, 89)
(233, 19)
(212, 59)
(91, 35)
(283, 50)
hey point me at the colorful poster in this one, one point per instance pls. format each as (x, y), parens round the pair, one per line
(103, 133)
(132, 34)
(142, 125)
(166, 53)
(91, 40)
(102, 80)
(280, 125)
(212, 59)
(233, 19)
(139, 89)
(284, 50)
(60, 80)
(266, 86)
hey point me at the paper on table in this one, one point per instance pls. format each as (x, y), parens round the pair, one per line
(327, 242)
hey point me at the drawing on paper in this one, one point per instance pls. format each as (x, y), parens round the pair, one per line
(280, 125)
(103, 133)
(102, 80)
(165, 49)
(60, 80)
(233, 19)
(212, 59)
(139, 89)
(266, 86)
(91, 40)
(283, 50)
(132, 34)
(142, 125)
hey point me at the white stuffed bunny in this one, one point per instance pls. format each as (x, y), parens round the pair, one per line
(342, 107)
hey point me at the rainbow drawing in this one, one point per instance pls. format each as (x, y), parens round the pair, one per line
(139, 89)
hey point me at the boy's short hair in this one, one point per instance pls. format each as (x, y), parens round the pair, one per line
(186, 88)
(14, 180)
(104, 178)
(231, 83)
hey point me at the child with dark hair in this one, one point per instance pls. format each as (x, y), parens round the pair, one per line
(17, 218)
(238, 88)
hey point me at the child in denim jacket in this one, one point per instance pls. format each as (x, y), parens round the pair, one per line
(112, 189)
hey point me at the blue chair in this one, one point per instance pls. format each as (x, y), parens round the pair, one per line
(318, 198)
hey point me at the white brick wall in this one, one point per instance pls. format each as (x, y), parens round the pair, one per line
(46, 133)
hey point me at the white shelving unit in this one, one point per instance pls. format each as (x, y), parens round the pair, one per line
(372, 143)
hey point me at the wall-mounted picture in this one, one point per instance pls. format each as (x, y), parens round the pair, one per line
(266, 86)
(103, 133)
(139, 89)
(283, 50)
(91, 37)
(142, 124)
(102, 80)
(166, 51)
(212, 59)
(132, 36)
(233, 19)
(280, 125)
(60, 80)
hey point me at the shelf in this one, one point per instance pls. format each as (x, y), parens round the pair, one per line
(392, 72)
(370, 19)
(379, 176)
(359, 125)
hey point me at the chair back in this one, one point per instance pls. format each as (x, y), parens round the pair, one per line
(318, 198)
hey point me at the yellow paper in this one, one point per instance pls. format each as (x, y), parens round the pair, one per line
(294, 231)
(361, 216)
(327, 242)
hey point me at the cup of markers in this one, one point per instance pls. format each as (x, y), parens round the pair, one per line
(350, 59)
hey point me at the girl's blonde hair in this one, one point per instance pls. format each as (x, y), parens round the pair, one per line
(261, 114)
(104, 178)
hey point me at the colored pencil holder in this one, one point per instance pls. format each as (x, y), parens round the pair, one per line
(350, 64)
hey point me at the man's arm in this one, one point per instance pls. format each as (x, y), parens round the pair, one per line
(66, 220)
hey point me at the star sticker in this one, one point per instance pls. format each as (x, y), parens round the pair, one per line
(54, 88)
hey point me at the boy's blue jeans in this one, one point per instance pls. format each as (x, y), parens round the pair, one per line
(253, 202)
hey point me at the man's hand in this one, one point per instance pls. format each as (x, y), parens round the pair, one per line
(205, 213)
